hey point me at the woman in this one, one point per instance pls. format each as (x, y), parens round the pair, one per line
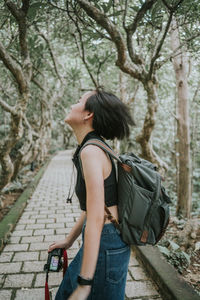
(99, 270)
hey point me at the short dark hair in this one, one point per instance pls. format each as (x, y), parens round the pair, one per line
(111, 116)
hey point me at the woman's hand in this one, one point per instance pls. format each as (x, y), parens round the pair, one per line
(80, 293)
(60, 244)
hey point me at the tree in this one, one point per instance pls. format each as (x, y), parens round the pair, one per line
(127, 34)
(180, 64)
(22, 75)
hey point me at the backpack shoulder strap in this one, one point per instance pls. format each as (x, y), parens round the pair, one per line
(103, 146)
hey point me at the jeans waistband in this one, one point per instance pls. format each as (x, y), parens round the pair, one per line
(108, 228)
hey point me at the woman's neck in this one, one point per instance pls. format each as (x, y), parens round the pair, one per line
(80, 134)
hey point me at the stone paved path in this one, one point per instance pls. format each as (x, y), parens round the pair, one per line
(46, 218)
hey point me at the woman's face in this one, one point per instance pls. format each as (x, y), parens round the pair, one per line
(77, 113)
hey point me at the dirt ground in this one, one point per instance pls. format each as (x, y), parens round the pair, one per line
(8, 201)
(8, 198)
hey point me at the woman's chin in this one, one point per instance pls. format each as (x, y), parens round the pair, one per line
(67, 120)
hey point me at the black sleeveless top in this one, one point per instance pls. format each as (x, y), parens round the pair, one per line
(110, 183)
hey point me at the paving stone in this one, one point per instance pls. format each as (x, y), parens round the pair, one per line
(33, 266)
(32, 239)
(20, 227)
(22, 233)
(11, 267)
(138, 273)
(53, 238)
(43, 216)
(16, 247)
(2, 278)
(133, 261)
(56, 216)
(30, 294)
(74, 214)
(75, 246)
(71, 253)
(55, 278)
(62, 230)
(140, 289)
(5, 294)
(14, 239)
(6, 256)
(19, 280)
(70, 224)
(26, 256)
(129, 278)
(39, 246)
(35, 226)
(43, 255)
(45, 221)
(27, 221)
(44, 232)
(44, 209)
(55, 225)
(62, 220)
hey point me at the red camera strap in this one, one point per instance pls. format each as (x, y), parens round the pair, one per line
(65, 265)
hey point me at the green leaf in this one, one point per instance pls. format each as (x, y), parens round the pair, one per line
(173, 246)
(107, 7)
(187, 257)
(164, 250)
(34, 9)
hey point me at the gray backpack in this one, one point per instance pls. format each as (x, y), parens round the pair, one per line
(143, 204)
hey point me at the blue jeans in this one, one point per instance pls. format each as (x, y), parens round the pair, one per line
(111, 269)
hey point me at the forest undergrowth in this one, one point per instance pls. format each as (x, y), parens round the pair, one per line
(181, 247)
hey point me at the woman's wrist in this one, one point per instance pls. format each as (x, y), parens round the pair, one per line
(69, 242)
(85, 288)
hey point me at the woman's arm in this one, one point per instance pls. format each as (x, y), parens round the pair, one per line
(93, 159)
(77, 228)
(72, 236)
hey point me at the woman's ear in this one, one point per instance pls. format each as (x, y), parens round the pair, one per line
(88, 116)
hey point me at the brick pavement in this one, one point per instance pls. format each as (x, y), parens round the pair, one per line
(47, 217)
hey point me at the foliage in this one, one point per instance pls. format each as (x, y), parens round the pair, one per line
(177, 257)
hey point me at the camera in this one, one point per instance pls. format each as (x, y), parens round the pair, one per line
(54, 260)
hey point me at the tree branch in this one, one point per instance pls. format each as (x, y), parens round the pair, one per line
(7, 107)
(20, 16)
(26, 122)
(140, 14)
(130, 30)
(13, 68)
(115, 35)
(53, 57)
(157, 50)
(172, 8)
(25, 6)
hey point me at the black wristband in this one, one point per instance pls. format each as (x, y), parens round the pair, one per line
(83, 281)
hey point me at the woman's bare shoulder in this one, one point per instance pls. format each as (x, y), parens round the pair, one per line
(92, 152)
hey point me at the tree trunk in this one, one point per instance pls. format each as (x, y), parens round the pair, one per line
(15, 134)
(183, 127)
(144, 138)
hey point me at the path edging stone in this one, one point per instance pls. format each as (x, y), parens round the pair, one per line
(171, 285)
(9, 221)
